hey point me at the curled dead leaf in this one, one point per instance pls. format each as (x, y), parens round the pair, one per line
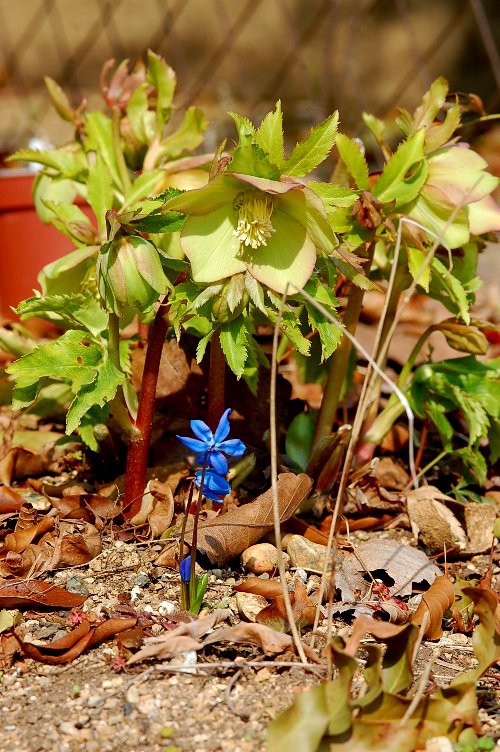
(37, 593)
(439, 598)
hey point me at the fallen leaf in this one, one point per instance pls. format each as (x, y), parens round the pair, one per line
(37, 593)
(77, 543)
(480, 523)
(75, 642)
(10, 500)
(390, 474)
(9, 646)
(19, 462)
(256, 586)
(439, 598)
(250, 605)
(405, 565)
(228, 535)
(260, 635)
(438, 526)
(303, 609)
(21, 538)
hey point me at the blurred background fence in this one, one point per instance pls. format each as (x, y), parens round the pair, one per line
(316, 55)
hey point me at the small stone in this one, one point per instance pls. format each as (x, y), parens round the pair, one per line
(94, 701)
(439, 744)
(261, 558)
(142, 580)
(166, 608)
(305, 554)
(68, 728)
(135, 594)
(302, 575)
(217, 573)
(77, 586)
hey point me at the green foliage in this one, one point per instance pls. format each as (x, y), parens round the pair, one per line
(299, 440)
(314, 149)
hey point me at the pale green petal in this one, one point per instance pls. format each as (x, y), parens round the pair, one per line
(218, 193)
(289, 255)
(458, 173)
(266, 185)
(210, 245)
(484, 216)
(433, 215)
(307, 208)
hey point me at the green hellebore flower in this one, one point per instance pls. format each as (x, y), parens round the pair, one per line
(240, 223)
(457, 178)
(130, 275)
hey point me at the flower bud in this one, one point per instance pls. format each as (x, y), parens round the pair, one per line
(130, 275)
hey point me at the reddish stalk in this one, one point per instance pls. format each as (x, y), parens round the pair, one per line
(138, 448)
(216, 382)
(423, 443)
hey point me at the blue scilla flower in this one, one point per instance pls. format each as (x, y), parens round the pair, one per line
(185, 569)
(215, 486)
(211, 447)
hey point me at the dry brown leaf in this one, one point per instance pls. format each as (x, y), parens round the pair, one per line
(438, 599)
(10, 500)
(184, 637)
(404, 564)
(382, 630)
(77, 543)
(37, 593)
(480, 521)
(228, 535)
(157, 508)
(75, 642)
(438, 526)
(260, 635)
(27, 517)
(19, 462)
(21, 538)
(303, 609)
(256, 586)
(9, 646)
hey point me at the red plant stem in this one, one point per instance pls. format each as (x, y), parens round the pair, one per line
(216, 382)
(138, 448)
(194, 539)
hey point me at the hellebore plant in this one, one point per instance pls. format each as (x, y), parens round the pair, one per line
(211, 449)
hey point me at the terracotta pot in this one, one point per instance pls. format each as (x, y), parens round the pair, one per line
(26, 243)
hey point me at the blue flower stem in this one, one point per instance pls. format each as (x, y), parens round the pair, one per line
(194, 540)
(216, 381)
(185, 601)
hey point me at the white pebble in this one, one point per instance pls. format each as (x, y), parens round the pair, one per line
(135, 593)
(166, 608)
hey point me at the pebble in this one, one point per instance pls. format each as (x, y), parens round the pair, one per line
(135, 594)
(77, 586)
(94, 701)
(166, 608)
(142, 580)
(302, 575)
(305, 554)
(261, 558)
(67, 727)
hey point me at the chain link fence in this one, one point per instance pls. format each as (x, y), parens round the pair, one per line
(316, 55)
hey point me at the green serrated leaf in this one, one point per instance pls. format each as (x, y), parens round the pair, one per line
(233, 341)
(405, 172)
(74, 310)
(235, 290)
(67, 162)
(163, 78)
(334, 195)
(202, 345)
(188, 136)
(99, 129)
(100, 192)
(354, 160)
(416, 259)
(160, 223)
(101, 390)
(250, 159)
(147, 184)
(269, 135)
(137, 109)
(256, 292)
(72, 358)
(313, 150)
(244, 126)
(207, 294)
(59, 100)
(447, 288)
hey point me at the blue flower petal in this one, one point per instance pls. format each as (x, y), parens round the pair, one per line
(202, 431)
(185, 569)
(223, 428)
(232, 447)
(218, 462)
(214, 486)
(194, 444)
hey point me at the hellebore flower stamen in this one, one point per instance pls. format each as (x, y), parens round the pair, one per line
(254, 218)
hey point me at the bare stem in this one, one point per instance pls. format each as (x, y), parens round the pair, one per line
(216, 382)
(339, 362)
(194, 539)
(137, 456)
